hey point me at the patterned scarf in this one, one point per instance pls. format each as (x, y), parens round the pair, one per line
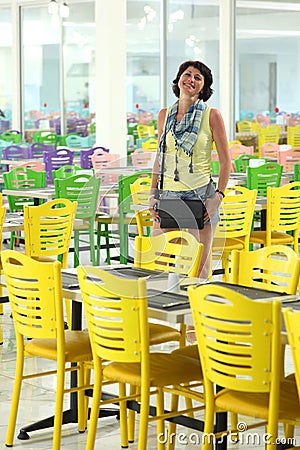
(185, 133)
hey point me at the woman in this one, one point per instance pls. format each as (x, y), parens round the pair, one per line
(187, 130)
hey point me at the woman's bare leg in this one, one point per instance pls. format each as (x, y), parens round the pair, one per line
(205, 236)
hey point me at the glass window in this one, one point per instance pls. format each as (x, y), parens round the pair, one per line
(6, 75)
(267, 55)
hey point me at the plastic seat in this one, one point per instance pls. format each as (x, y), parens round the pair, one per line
(150, 143)
(16, 152)
(86, 156)
(2, 218)
(38, 149)
(11, 136)
(33, 165)
(215, 167)
(270, 150)
(74, 141)
(22, 178)
(84, 189)
(293, 135)
(242, 162)
(233, 229)
(101, 160)
(271, 133)
(274, 267)
(142, 157)
(236, 150)
(35, 295)
(283, 217)
(48, 139)
(245, 126)
(144, 130)
(55, 159)
(123, 218)
(264, 176)
(117, 318)
(69, 171)
(239, 341)
(140, 191)
(288, 158)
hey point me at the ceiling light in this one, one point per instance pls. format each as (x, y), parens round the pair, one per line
(53, 7)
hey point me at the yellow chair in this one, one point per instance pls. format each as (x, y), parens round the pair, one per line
(271, 133)
(117, 316)
(145, 130)
(233, 229)
(245, 126)
(48, 229)
(2, 218)
(293, 136)
(239, 341)
(174, 251)
(283, 217)
(150, 144)
(35, 295)
(140, 191)
(275, 268)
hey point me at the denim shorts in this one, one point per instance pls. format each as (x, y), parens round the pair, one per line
(203, 193)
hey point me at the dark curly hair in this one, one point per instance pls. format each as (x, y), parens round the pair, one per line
(207, 91)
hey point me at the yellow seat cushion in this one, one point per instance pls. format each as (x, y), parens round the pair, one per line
(162, 333)
(190, 351)
(259, 237)
(77, 346)
(230, 244)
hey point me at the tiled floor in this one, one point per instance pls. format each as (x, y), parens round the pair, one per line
(37, 401)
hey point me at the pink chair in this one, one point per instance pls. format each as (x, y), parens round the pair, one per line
(270, 150)
(142, 157)
(288, 158)
(54, 159)
(33, 165)
(103, 160)
(239, 149)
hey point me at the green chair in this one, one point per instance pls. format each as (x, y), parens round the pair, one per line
(123, 219)
(22, 178)
(49, 139)
(262, 177)
(11, 136)
(215, 167)
(84, 189)
(297, 172)
(242, 162)
(69, 171)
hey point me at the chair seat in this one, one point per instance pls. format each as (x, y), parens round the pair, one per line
(243, 403)
(77, 345)
(162, 333)
(183, 370)
(190, 351)
(220, 244)
(115, 219)
(259, 237)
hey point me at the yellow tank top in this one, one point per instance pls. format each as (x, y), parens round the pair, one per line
(201, 160)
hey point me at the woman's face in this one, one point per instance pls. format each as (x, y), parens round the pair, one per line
(191, 82)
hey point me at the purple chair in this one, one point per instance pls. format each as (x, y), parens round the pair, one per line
(16, 153)
(85, 157)
(38, 149)
(54, 159)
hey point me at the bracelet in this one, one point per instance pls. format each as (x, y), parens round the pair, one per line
(220, 192)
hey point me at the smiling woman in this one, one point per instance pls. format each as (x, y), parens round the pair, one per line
(186, 132)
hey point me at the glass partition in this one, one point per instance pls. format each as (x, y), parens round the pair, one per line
(6, 72)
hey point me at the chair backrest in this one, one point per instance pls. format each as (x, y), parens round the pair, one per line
(74, 141)
(37, 149)
(174, 251)
(48, 229)
(142, 157)
(215, 167)
(293, 136)
(49, 139)
(140, 191)
(2, 218)
(22, 178)
(33, 165)
(274, 268)
(84, 189)
(297, 172)
(124, 182)
(116, 315)
(245, 126)
(236, 214)
(14, 152)
(150, 143)
(288, 158)
(35, 295)
(55, 159)
(262, 177)
(269, 150)
(271, 133)
(283, 211)
(68, 171)
(242, 162)
(11, 136)
(86, 156)
(236, 150)
(102, 160)
(238, 339)
(145, 130)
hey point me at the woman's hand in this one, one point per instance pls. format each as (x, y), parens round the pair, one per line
(211, 205)
(153, 201)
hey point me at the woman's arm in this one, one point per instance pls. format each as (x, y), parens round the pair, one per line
(219, 136)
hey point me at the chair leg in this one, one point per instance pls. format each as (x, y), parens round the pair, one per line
(76, 248)
(123, 416)
(92, 244)
(81, 398)
(144, 414)
(59, 400)
(172, 425)
(90, 445)
(131, 417)
(15, 401)
(160, 423)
